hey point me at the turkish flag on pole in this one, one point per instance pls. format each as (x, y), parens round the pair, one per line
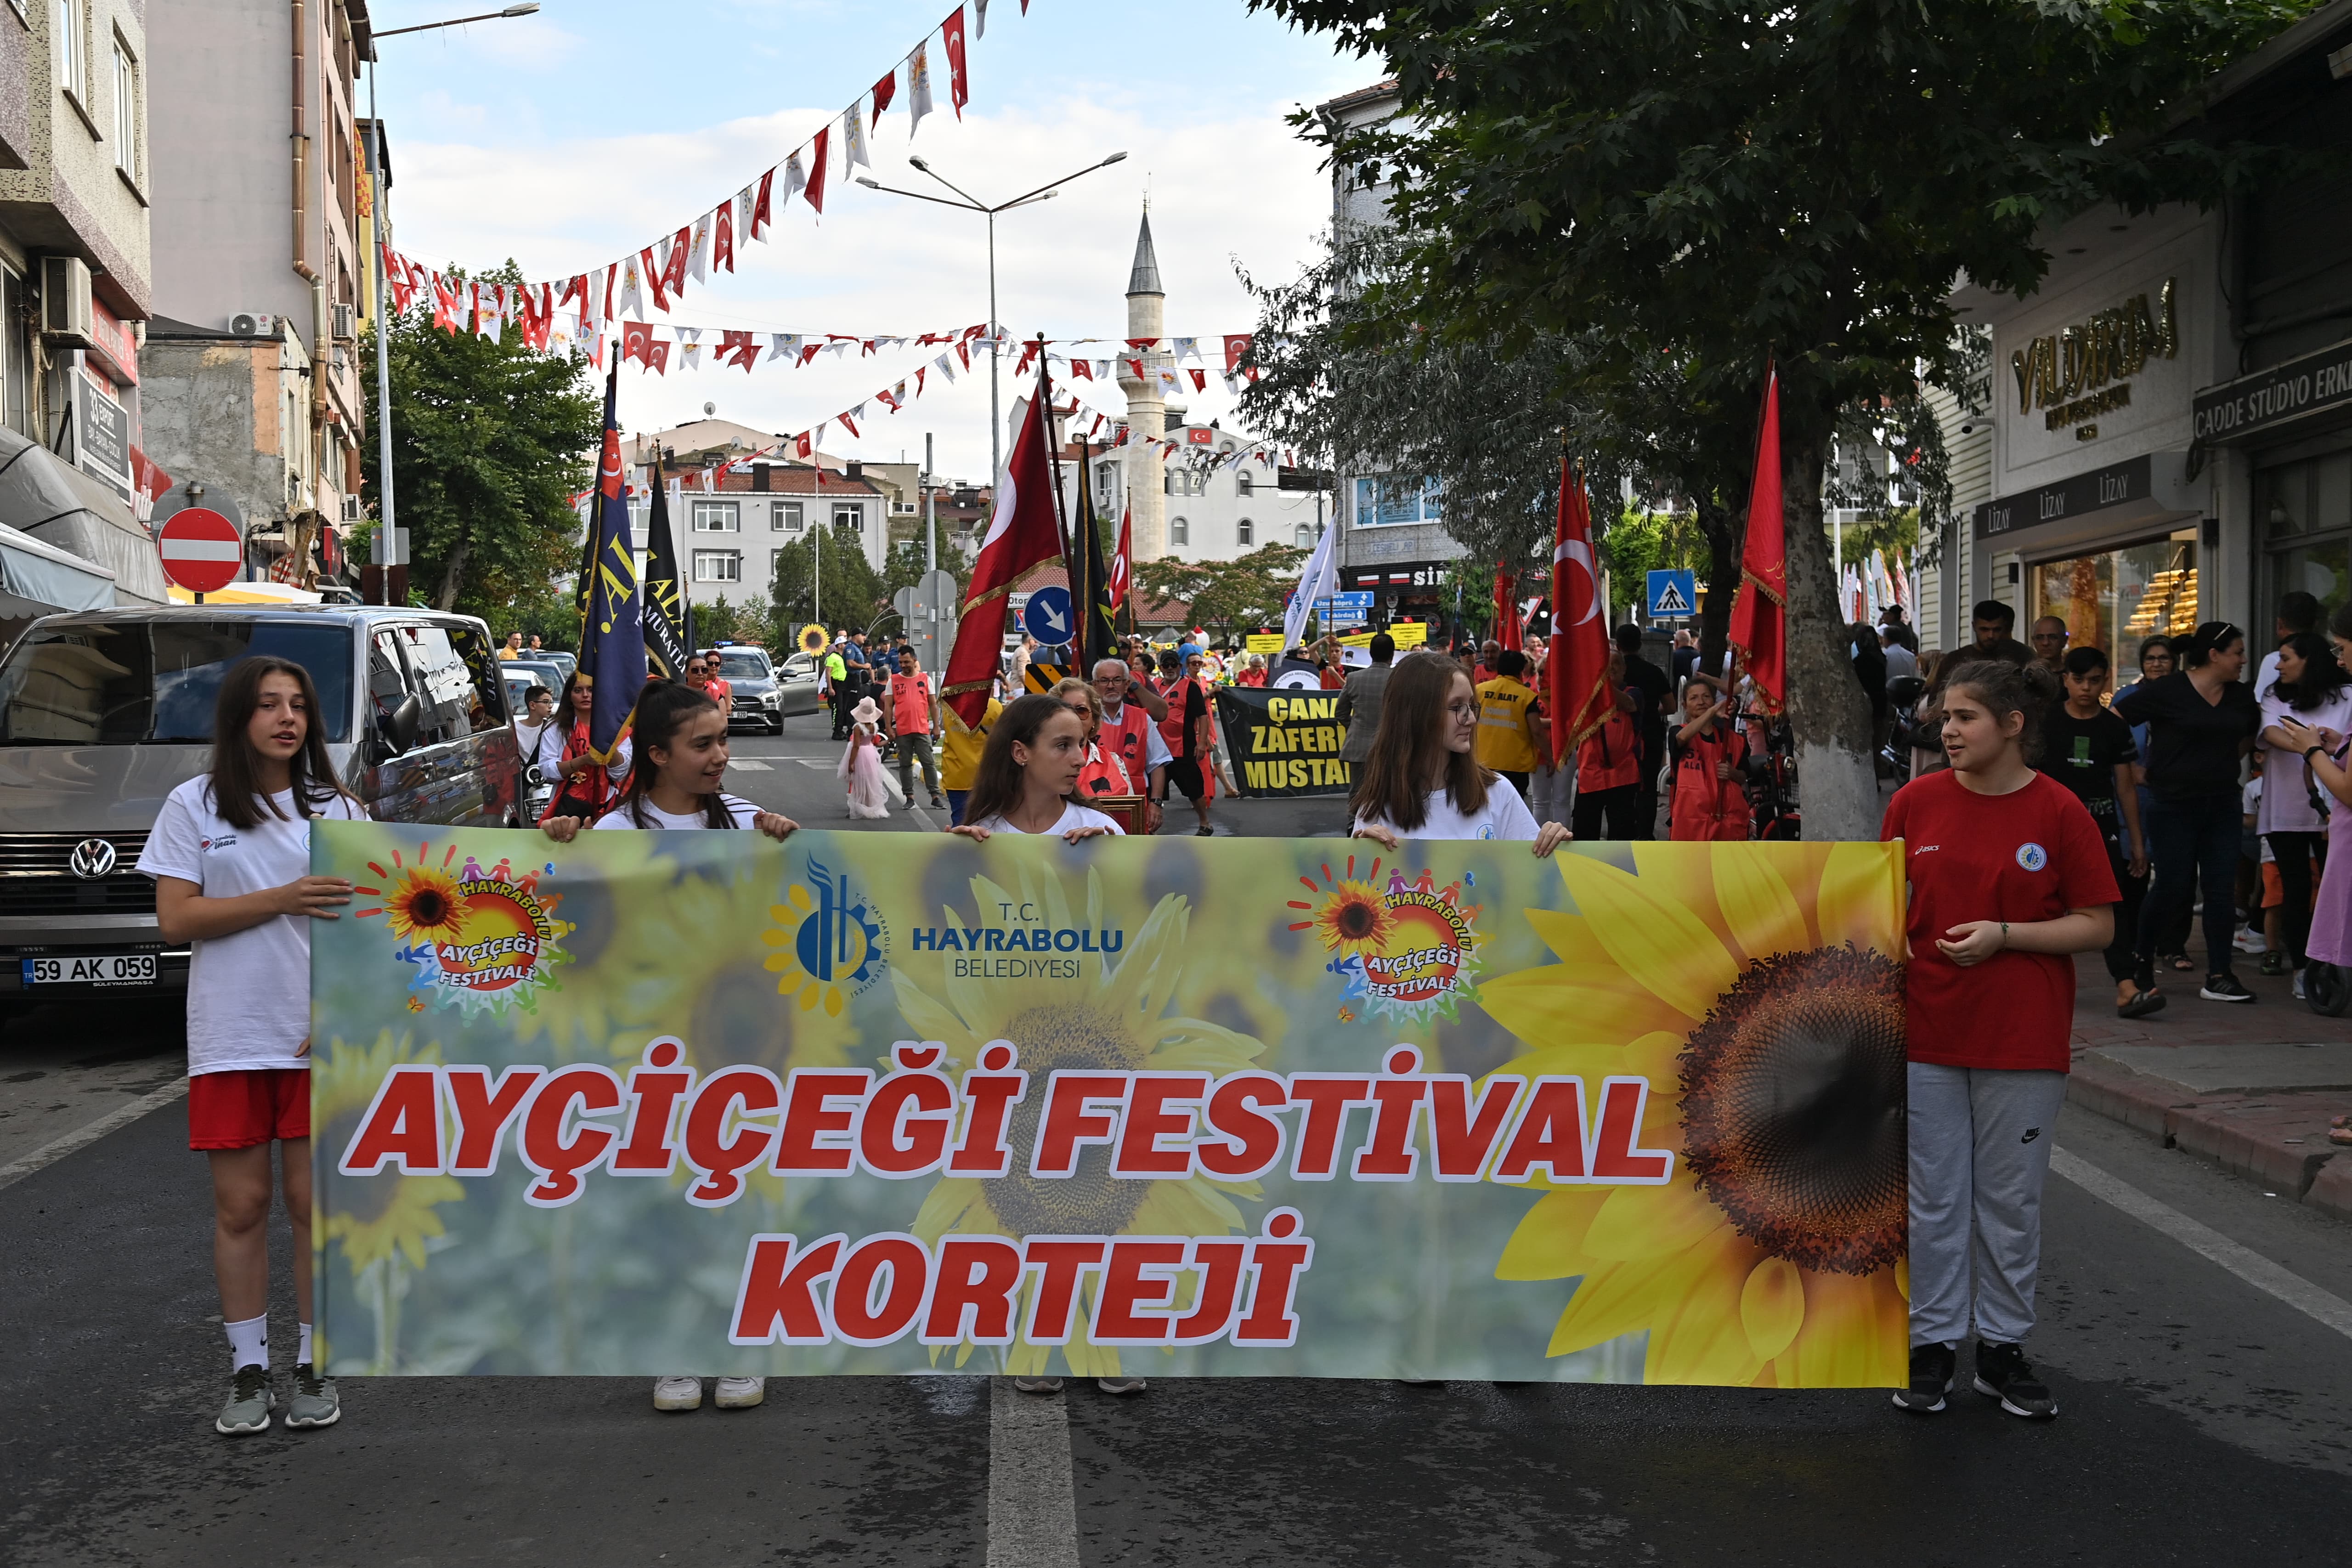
(1760, 615)
(1022, 536)
(1122, 566)
(958, 87)
(1507, 609)
(1576, 670)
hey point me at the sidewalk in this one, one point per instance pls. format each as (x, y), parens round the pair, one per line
(2249, 1087)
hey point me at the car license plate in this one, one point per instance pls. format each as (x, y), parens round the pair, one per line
(92, 969)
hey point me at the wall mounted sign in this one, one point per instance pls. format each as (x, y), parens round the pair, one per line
(2077, 374)
(2117, 484)
(2316, 384)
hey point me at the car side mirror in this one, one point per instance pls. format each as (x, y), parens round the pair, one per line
(402, 725)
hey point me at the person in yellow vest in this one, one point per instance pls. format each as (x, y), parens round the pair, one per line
(959, 759)
(1509, 740)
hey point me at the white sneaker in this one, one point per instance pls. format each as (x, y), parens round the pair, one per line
(2251, 942)
(1119, 1385)
(740, 1393)
(1038, 1385)
(2298, 987)
(678, 1393)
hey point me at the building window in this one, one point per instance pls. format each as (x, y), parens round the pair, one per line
(1242, 531)
(126, 111)
(715, 517)
(717, 566)
(776, 561)
(1305, 537)
(850, 515)
(73, 50)
(1241, 481)
(783, 516)
(1178, 531)
(2305, 513)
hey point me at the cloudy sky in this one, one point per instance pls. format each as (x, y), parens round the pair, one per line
(566, 139)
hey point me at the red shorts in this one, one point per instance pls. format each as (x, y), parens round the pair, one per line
(239, 1109)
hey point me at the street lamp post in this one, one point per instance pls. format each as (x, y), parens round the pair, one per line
(996, 332)
(387, 552)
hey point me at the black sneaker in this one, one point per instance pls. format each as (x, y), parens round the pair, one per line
(1931, 1379)
(2002, 1374)
(2225, 988)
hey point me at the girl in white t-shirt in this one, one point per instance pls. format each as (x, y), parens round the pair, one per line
(1421, 782)
(230, 854)
(1028, 775)
(681, 736)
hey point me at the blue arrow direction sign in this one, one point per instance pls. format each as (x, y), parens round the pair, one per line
(1674, 596)
(1047, 617)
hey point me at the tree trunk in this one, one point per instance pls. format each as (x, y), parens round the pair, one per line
(453, 577)
(1828, 714)
(1725, 534)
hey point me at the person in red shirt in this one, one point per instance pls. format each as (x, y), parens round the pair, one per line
(2009, 877)
(1609, 768)
(913, 709)
(1710, 791)
(702, 672)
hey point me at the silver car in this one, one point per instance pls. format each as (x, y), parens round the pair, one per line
(103, 713)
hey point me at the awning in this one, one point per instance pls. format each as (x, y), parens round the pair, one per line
(47, 575)
(45, 496)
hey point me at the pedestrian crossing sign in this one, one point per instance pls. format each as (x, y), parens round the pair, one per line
(1672, 594)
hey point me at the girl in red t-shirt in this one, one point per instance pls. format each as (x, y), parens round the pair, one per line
(2008, 877)
(1710, 791)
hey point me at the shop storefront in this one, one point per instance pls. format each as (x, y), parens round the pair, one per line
(1402, 590)
(2291, 429)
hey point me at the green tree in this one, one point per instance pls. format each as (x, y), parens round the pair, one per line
(1232, 596)
(490, 441)
(1701, 184)
(826, 577)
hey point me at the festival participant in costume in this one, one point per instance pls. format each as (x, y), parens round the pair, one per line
(230, 855)
(684, 736)
(1422, 780)
(2311, 687)
(587, 787)
(2201, 721)
(1710, 791)
(2008, 877)
(1105, 771)
(960, 748)
(860, 772)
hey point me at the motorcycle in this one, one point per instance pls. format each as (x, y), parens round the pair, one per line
(1903, 694)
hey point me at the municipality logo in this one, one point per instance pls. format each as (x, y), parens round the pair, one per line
(2033, 856)
(829, 944)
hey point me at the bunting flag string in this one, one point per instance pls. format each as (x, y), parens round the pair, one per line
(702, 247)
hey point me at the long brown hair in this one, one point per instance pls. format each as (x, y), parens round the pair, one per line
(996, 782)
(663, 708)
(1409, 749)
(238, 795)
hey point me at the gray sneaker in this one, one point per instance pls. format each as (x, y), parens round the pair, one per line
(314, 1401)
(250, 1404)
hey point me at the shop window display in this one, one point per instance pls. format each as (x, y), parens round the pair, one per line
(2307, 516)
(2112, 599)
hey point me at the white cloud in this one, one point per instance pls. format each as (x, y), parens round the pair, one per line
(1241, 187)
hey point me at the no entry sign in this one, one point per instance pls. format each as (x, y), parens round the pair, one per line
(201, 550)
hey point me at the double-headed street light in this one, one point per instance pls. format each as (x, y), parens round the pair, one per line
(387, 550)
(996, 332)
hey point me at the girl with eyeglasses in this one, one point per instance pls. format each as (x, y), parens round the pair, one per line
(2201, 720)
(1421, 781)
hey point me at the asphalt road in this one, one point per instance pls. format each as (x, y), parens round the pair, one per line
(2204, 1416)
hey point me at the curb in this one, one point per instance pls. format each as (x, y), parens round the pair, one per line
(2279, 1139)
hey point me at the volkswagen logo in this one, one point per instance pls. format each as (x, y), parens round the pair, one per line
(92, 859)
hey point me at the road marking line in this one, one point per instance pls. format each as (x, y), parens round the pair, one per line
(2323, 1306)
(746, 765)
(1033, 1511)
(121, 1116)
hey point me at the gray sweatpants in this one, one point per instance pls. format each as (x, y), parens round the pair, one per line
(914, 747)
(1980, 1141)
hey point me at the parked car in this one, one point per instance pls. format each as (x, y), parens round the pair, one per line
(103, 713)
(757, 699)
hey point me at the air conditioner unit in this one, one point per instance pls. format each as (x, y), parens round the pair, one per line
(346, 324)
(65, 302)
(251, 325)
(351, 509)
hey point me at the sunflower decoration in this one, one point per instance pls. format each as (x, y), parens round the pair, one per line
(390, 1211)
(1118, 1016)
(1354, 918)
(423, 905)
(1764, 1003)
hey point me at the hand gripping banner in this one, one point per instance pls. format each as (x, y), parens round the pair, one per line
(700, 1102)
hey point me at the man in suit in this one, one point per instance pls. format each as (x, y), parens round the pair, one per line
(1360, 702)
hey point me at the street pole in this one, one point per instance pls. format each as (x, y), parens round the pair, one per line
(387, 535)
(931, 511)
(995, 418)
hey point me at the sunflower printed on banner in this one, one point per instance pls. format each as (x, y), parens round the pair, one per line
(889, 1104)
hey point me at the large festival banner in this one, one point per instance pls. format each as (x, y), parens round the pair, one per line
(658, 1102)
(1283, 743)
